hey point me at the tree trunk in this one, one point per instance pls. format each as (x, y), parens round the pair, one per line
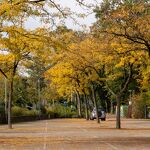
(79, 104)
(6, 99)
(112, 108)
(86, 108)
(118, 122)
(106, 105)
(39, 94)
(95, 104)
(10, 105)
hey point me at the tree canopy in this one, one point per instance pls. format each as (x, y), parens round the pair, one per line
(90, 68)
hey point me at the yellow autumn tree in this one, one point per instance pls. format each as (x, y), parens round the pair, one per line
(78, 67)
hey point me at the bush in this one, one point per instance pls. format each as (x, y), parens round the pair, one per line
(19, 111)
(138, 107)
(43, 110)
(31, 113)
(59, 111)
(50, 112)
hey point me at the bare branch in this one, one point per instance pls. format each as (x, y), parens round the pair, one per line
(1, 71)
(111, 91)
(128, 79)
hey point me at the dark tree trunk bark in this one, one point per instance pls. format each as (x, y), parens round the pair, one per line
(95, 103)
(118, 122)
(106, 105)
(86, 108)
(76, 101)
(6, 100)
(112, 108)
(79, 104)
(10, 104)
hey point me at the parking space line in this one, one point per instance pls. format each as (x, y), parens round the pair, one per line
(85, 130)
(112, 146)
(45, 135)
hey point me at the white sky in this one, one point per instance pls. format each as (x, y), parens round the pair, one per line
(74, 6)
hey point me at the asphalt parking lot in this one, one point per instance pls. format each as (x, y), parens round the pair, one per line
(76, 134)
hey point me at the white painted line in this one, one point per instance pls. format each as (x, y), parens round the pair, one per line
(95, 136)
(84, 130)
(112, 146)
(45, 135)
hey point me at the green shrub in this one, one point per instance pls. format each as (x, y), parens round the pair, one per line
(31, 113)
(19, 111)
(138, 106)
(59, 111)
(50, 112)
(43, 110)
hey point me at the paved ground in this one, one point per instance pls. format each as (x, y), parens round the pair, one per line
(76, 134)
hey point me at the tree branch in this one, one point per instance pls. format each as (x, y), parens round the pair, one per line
(111, 91)
(3, 73)
(128, 79)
